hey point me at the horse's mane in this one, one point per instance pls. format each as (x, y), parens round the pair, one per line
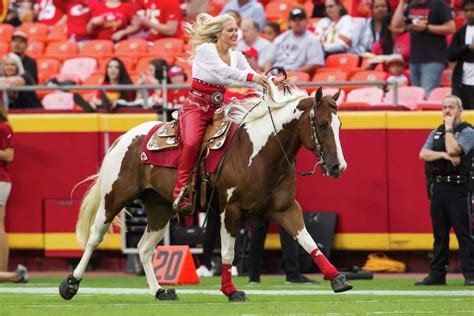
(239, 110)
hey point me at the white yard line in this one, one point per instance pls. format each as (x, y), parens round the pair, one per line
(128, 291)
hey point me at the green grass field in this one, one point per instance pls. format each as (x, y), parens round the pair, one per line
(272, 296)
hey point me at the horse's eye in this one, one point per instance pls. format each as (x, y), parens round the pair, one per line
(323, 126)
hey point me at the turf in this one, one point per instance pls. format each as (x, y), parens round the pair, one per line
(204, 304)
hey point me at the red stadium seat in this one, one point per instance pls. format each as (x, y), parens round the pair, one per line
(97, 49)
(6, 32)
(35, 49)
(4, 48)
(80, 67)
(35, 31)
(330, 76)
(94, 79)
(142, 65)
(446, 78)
(135, 48)
(57, 33)
(298, 76)
(367, 95)
(61, 50)
(342, 61)
(168, 46)
(58, 101)
(47, 68)
(435, 99)
(407, 96)
(370, 75)
(277, 11)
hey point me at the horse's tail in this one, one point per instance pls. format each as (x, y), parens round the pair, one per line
(88, 210)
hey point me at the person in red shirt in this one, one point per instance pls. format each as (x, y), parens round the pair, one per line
(47, 13)
(157, 18)
(78, 14)
(110, 17)
(115, 74)
(176, 98)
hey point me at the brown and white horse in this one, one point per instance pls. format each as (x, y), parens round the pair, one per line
(257, 177)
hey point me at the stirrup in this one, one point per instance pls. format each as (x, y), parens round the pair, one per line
(179, 198)
(177, 207)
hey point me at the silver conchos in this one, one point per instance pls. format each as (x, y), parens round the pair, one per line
(217, 98)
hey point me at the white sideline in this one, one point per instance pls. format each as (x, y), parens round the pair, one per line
(131, 291)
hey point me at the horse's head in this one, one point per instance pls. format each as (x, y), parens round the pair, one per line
(319, 132)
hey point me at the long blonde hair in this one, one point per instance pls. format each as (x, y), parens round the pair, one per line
(205, 29)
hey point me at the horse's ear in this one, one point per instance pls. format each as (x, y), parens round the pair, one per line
(319, 95)
(336, 95)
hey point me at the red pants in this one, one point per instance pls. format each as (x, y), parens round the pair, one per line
(193, 121)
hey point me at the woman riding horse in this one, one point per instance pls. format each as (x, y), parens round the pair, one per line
(215, 65)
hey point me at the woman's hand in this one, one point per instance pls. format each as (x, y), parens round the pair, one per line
(261, 80)
(281, 82)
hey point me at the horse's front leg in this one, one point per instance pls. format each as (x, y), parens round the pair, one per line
(292, 221)
(230, 226)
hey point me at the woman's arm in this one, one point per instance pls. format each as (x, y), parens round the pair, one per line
(15, 81)
(398, 19)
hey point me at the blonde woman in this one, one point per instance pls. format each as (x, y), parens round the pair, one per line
(214, 66)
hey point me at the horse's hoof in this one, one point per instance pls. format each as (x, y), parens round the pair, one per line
(68, 287)
(166, 295)
(238, 296)
(340, 284)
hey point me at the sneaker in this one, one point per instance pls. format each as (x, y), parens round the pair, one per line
(234, 271)
(254, 281)
(301, 279)
(203, 272)
(430, 280)
(469, 282)
(22, 272)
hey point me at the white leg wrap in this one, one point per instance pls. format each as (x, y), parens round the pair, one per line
(227, 243)
(306, 241)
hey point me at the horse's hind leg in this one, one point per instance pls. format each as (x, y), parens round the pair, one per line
(158, 212)
(292, 221)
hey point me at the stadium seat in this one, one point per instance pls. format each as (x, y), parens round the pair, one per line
(168, 46)
(80, 67)
(446, 78)
(58, 101)
(435, 99)
(97, 49)
(61, 50)
(57, 33)
(35, 31)
(35, 49)
(277, 11)
(94, 79)
(298, 76)
(6, 32)
(142, 65)
(135, 48)
(407, 96)
(308, 7)
(367, 95)
(4, 48)
(47, 68)
(330, 76)
(370, 75)
(342, 61)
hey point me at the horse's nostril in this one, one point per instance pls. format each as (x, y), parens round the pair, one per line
(336, 168)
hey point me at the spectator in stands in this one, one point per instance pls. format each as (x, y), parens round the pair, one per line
(252, 57)
(25, 11)
(271, 31)
(157, 73)
(461, 51)
(248, 9)
(47, 13)
(297, 49)
(19, 44)
(429, 21)
(396, 71)
(393, 43)
(7, 151)
(78, 13)
(318, 9)
(156, 18)
(9, 13)
(109, 18)
(194, 7)
(177, 75)
(251, 38)
(375, 27)
(115, 74)
(14, 75)
(336, 29)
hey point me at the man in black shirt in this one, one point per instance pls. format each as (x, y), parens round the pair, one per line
(429, 21)
(19, 44)
(461, 51)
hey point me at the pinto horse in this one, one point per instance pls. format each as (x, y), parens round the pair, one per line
(257, 177)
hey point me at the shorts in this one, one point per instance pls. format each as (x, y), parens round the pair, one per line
(5, 188)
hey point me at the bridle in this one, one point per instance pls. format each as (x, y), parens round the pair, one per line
(314, 136)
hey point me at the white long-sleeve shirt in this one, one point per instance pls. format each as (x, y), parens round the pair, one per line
(336, 37)
(209, 67)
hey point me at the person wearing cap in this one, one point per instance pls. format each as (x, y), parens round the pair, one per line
(396, 71)
(177, 75)
(429, 22)
(448, 154)
(297, 49)
(248, 9)
(336, 30)
(251, 38)
(461, 51)
(19, 44)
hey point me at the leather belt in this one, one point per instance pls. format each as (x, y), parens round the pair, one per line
(452, 179)
(216, 98)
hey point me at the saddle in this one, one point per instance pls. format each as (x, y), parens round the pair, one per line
(167, 138)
